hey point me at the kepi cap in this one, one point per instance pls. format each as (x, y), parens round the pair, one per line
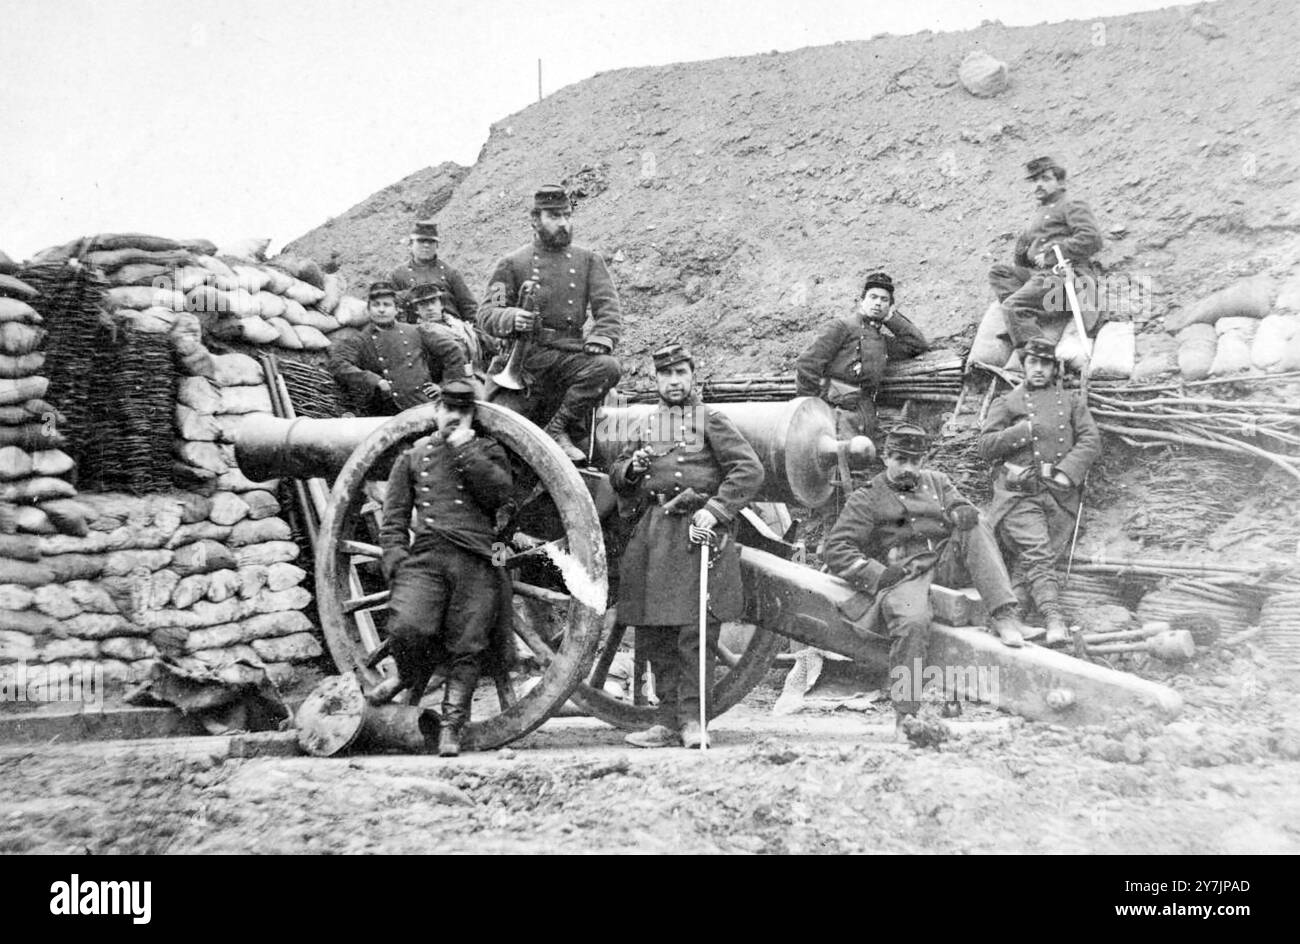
(428, 292)
(459, 394)
(907, 438)
(380, 289)
(1040, 164)
(879, 280)
(551, 197)
(425, 229)
(1039, 347)
(671, 354)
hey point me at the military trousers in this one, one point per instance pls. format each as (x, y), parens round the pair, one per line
(970, 558)
(1035, 532)
(442, 609)
(674, 652)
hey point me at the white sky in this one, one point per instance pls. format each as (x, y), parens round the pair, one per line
(233, 118)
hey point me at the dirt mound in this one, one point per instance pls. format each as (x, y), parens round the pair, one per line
(741, 200)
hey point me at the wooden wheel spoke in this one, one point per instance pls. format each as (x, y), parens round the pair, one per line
(542, 593)
(505, 690)
(369, 602)
(729, 658)
(601, 671)
(361, 548)
(534, 642)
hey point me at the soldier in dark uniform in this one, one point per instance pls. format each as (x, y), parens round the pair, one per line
(445, 588)
(425, 266)
(389, 366)
(562, 362)
(907, 528)
(432, 302)
(685, 478)
(1022, 286)
(845, 364)
(1043, 441)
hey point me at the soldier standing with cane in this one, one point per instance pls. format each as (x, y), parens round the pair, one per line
(685, 477)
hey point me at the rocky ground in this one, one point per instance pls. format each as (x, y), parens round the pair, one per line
(1219, 780)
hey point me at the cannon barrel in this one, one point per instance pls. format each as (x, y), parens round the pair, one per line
(794, 440)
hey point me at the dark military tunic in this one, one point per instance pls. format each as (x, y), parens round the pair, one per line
(411, 273)
(446, 589)
(408, 357)
(1065, 222)
(571, 280)
(696, 447)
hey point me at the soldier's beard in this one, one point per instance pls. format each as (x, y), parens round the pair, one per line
(559, 239)
(904, 480)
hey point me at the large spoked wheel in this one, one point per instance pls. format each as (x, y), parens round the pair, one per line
(749, 668)
(564, 660)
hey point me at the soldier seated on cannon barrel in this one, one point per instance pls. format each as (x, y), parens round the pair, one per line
(389, 366)
(563, 362)
(684, 478)
(907, 528)
(446, 590)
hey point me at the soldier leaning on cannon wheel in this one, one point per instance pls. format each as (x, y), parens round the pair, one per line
(845, 364)
(432, 302)
(910, 527)
(1022, 286)
(561, 363)
(425, 266)
(688, 472)
(446, 591)
(1043, 441)
(389, 366)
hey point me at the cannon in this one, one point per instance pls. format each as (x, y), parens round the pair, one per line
(554, 536)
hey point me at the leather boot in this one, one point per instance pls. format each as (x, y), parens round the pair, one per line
(558, 429)
(456, 701)
(1057, 631)
(1006, 624)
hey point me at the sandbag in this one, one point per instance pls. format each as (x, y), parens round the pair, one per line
(198, 394)
(15, 287)
(1196, 351)
(245, 399)
(127, 649)
(1269, 345)
(310, 339)
(301, 268)
(140, 273)
(150, 321)
(68, 516)
(18, 646)
(196, 426)
(334, 286)
(1248, 298)
(11, 309)
(1232, 356)
(220, 270)
(304, 294)
(142, 241)
(187, 278)
(278, 282)
(189, 590)
(110, 259)
(271, 552)
(1246, 327)
(25, 573)
(236, 370)
(352, 312)
(202, 557)
(982, 75)
(260, 504)
(140, 297)
(252, 249)
(14, 597)
(15, 463)
(19, 338)
(222, 585)
(19, 547)
(269, 305)
(202, 455)
(7, 265)
(238, 302)
(283, 576)
(53, 600)
(251, 278)
(1291, 354)
(22, 389)
(51, 462)
(1114, 353)
(24, 365)
(257, 331)
(259, 532)
(296, 648)
(286, 336)
(37, 489)
(228, 509)
(233, 480)
(1070, 349)
(32, 437)
(32, 520)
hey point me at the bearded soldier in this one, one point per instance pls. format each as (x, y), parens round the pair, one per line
(389, 366)
(845, 364)
(685, 478)
(564, 362)
(445, 587)
(1023, 286)
(1042, 440)
(907, 528)
(426, 266)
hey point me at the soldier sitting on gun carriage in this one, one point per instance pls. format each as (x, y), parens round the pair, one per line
(906, 529)
(389, 366)
(446, 589)
(539, 295)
